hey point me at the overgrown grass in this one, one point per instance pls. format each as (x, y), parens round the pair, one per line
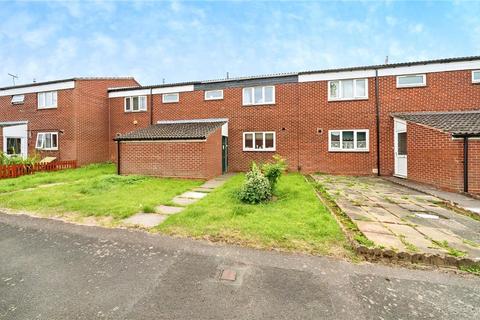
(295, 221)
(93, 191)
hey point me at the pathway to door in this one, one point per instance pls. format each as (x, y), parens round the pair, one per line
(404, 220)
(150, 220)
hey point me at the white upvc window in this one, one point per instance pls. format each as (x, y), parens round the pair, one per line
(348, 140)
(412, 80)
(476, 76)
(351, 89)
(47, 141)
(259, 141)
(258, 95)
(47, 100)
(18, 99)
(170, 97)
(214, 95)
(136, 104)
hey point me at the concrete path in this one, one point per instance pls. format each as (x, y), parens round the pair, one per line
(460, 200)
(402, 219)
(53, 270)
(149, 220)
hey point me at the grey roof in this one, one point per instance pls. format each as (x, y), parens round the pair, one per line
(458, 123)
(195, 130)
(287, 76)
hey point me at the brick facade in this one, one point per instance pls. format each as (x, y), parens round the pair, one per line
(184, 159)
(435, 158)
(81, 119)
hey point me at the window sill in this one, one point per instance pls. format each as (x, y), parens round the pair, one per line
(347, 151)
(213, 99)
(49, 108)
(258, 150)
(349, 99)
(46, 149)
(259, 105)
(135, 111)
(164, 102)
(415, 86)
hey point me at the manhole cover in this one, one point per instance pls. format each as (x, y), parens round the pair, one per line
(427, 216)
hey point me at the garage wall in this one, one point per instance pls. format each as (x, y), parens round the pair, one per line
(435, 159)
(183, 159)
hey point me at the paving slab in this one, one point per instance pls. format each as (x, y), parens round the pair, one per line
(200, 189)
(183, 201)
(146, 220)
(168, 209)
(193, 195)
(369, 226)
(415, 238)
(385, 240)
(383, 215)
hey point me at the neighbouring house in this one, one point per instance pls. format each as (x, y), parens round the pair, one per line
(66, 119)
(185, 149)
(336, 121)
(439, 148)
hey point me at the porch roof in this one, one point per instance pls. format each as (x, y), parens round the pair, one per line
(184, 130)
(12, 123)
(457, 123)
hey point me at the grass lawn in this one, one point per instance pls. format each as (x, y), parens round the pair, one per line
(93, 190)
(295, 221)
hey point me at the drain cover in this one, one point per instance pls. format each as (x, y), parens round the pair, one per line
(228, 275)
(427, 216)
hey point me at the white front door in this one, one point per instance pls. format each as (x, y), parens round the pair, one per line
(400, 144)
(15, 140)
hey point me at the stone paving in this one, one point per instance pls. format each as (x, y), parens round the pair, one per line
(402, 219)
(150, 220)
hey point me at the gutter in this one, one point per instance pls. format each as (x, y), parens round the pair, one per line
(377, 120)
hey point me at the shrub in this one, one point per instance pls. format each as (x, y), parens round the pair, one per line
(273, 170)
(6, 160)
(256, 187)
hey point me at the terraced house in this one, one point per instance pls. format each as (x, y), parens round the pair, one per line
(416, 120)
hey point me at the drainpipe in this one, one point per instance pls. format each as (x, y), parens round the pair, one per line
(465, 164)
(118, 157)
(377, 116)
(151, 107)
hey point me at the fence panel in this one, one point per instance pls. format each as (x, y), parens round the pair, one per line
(17, 170)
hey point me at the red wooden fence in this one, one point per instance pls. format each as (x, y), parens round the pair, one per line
(17, 170)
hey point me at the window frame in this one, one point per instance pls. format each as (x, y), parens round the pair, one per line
(6, 144)
(252, 89)
(171, 93)
(355, 148)
(340, 90)
(143, 109)
(217, 90)
(473, 76)
(43, 134)
(423, 84)
(22, 101)
(273, 149)
(44, 100)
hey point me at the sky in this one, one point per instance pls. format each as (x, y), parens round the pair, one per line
(175, 41)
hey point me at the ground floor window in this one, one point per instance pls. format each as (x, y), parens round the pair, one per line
(259, 141)
(47, 141)
(348, 140)
(14, 146)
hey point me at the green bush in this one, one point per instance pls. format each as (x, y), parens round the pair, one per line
(273, 170)
(6, 160)
(256, 187)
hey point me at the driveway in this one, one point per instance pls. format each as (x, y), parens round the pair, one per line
(53, 270)
(396, 217)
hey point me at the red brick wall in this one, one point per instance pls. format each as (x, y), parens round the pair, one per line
(435, 158)
(445, 91)
(187, 159)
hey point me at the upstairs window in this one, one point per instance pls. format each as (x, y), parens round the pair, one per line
(476, 76)
(18, 99)
(214, 95)
(258, 95)
(47, 141)
(259, 141)
(413, 80)
(348, 140)
(136, 104)
(170, 97)
(347, 89)
(47, 100)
